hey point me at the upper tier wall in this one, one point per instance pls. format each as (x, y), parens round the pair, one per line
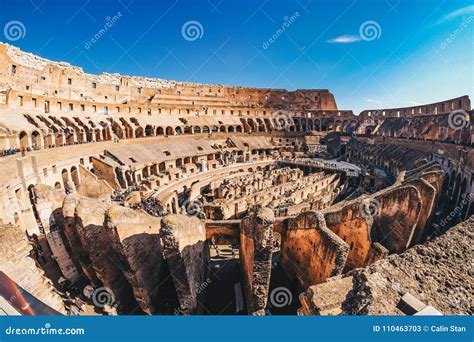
(24, 72)
(458, 103)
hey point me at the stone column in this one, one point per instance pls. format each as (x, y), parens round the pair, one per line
(256, 245)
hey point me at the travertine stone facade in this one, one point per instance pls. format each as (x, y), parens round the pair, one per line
(125, 181)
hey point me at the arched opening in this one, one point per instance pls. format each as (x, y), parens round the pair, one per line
(179, 130)
(169, 130)
(231, 129)
(197, 129)
(65, 177)
(222, 129)
(148, 130)
(23, 139)
(75, 176)
(57, 185)
(36, 140)
(160, 131)
(239, 129)
(205, 129)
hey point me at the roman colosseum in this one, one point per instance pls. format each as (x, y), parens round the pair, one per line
(131, 195)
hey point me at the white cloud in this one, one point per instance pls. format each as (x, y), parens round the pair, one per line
(373, 101)
(346, 39)
(465, 11)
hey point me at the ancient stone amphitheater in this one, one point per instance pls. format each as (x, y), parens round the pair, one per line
(132, 195)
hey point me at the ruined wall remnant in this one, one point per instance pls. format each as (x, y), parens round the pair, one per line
(48, 203)
(256, 246)
(325, 299)
(135, 239)
(435, 272)
(312, 253)
(186, 251)
(398, 211)
(90, 239)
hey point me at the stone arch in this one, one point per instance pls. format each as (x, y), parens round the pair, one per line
(196, 129)
(36, 140)
(65, 177)
(23, 136)
(169, 130)
(160, 131)
(205, 129)
(75, 176)
(148, 131)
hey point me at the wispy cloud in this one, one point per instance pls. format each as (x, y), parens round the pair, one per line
(372, 101)
(346, 39)
(465, 11)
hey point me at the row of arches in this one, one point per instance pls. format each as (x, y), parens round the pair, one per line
(293, 124)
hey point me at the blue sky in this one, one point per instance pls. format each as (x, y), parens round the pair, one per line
(264, 43)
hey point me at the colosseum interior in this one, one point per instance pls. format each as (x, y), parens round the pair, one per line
(129, 195)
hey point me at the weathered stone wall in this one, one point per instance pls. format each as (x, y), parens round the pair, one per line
(187, 253)
(311, 252)
(435, 272)
(256, 249)
(136, 240)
